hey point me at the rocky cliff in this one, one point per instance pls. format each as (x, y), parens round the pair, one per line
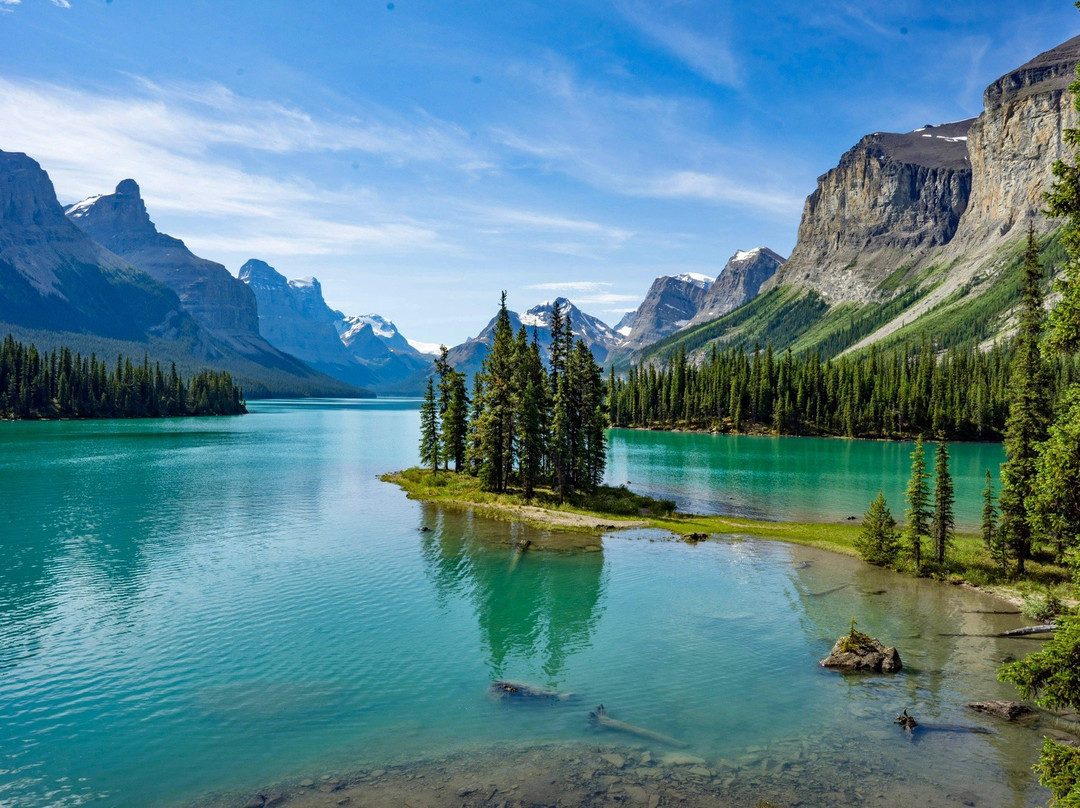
(365, 350)
(671, 302)
(58, 286)
(738, 282)
(218, 301)
(891, 198)
(53, 276)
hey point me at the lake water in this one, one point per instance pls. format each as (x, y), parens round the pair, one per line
(199, 607)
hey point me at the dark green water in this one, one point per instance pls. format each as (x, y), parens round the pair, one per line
(202, 606)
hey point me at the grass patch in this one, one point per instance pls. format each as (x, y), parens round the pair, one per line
(968, 561)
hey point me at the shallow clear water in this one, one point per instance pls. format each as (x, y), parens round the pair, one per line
(201, 606)
(790, 479)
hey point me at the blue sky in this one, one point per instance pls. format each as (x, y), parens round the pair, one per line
(418, 157)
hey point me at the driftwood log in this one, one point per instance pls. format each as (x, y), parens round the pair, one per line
(600, 718)
(1022, 632)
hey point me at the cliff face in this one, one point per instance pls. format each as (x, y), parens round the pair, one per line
(53, 276)
(293, 315)
(671, 303)
(738, 282)
(218, 301)
(952, 194)
(1015, 142)
(891, 198)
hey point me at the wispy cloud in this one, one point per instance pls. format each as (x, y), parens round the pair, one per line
(61, 3)
(708, 55)
(718, 188)
(181, 144)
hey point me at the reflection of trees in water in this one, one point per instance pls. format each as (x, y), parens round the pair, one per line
(537, 604)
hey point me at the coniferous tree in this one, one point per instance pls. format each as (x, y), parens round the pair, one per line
(878, 543)
(989, 513)
(918, 515)
(1028, 411)
(455, 422)
(1054, 508)
(429, 429)
(942, 520)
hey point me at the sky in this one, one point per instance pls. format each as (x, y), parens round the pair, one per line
(420, 156)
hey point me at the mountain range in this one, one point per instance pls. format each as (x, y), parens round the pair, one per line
(919, 233)
(911, 234)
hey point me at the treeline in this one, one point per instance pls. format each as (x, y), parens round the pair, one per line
(962, 395)
(527, 424)
(60, 384)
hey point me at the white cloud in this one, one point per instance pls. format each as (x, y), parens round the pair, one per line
(61, 3)
(179, 144)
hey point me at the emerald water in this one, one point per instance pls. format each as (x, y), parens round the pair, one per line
(199, 607)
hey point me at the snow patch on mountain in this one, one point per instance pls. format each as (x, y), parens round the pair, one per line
(430, 348)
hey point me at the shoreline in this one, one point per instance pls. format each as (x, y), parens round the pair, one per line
(834, 537)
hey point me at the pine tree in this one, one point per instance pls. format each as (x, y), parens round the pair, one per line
(878, 542)
(1028, 411)
(1054, 508)
(429, 429)
(918, 514)
(942, 523)
(989, 513)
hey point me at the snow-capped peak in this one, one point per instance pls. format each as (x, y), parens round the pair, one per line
(79, 209)
(696, 278)
(302, 283)
(742, 255)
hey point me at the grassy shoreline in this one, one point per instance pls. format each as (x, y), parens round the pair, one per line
(619, 509)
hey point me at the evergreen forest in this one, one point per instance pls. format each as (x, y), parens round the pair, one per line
(526, 424)
(60, 384)
(961, 394)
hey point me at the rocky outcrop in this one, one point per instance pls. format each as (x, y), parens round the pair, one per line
(53, 276)
(858, 652)
(739, 282)
(670, 304)
(892, 198)
(218, 301)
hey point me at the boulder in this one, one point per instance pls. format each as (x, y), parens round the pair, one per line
(858, 652)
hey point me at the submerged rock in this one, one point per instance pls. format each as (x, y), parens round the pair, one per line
(858, 652)
(1008, 710)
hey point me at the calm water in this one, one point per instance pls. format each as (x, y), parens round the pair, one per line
(202, 606)
(790, 479)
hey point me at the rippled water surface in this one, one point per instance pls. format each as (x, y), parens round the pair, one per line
(202, 606)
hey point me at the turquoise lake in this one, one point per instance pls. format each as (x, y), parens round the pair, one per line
(194, 609)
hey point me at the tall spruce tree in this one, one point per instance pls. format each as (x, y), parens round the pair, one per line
(942, 520)
(918, 513)
(429, 428)
(1029, 409)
